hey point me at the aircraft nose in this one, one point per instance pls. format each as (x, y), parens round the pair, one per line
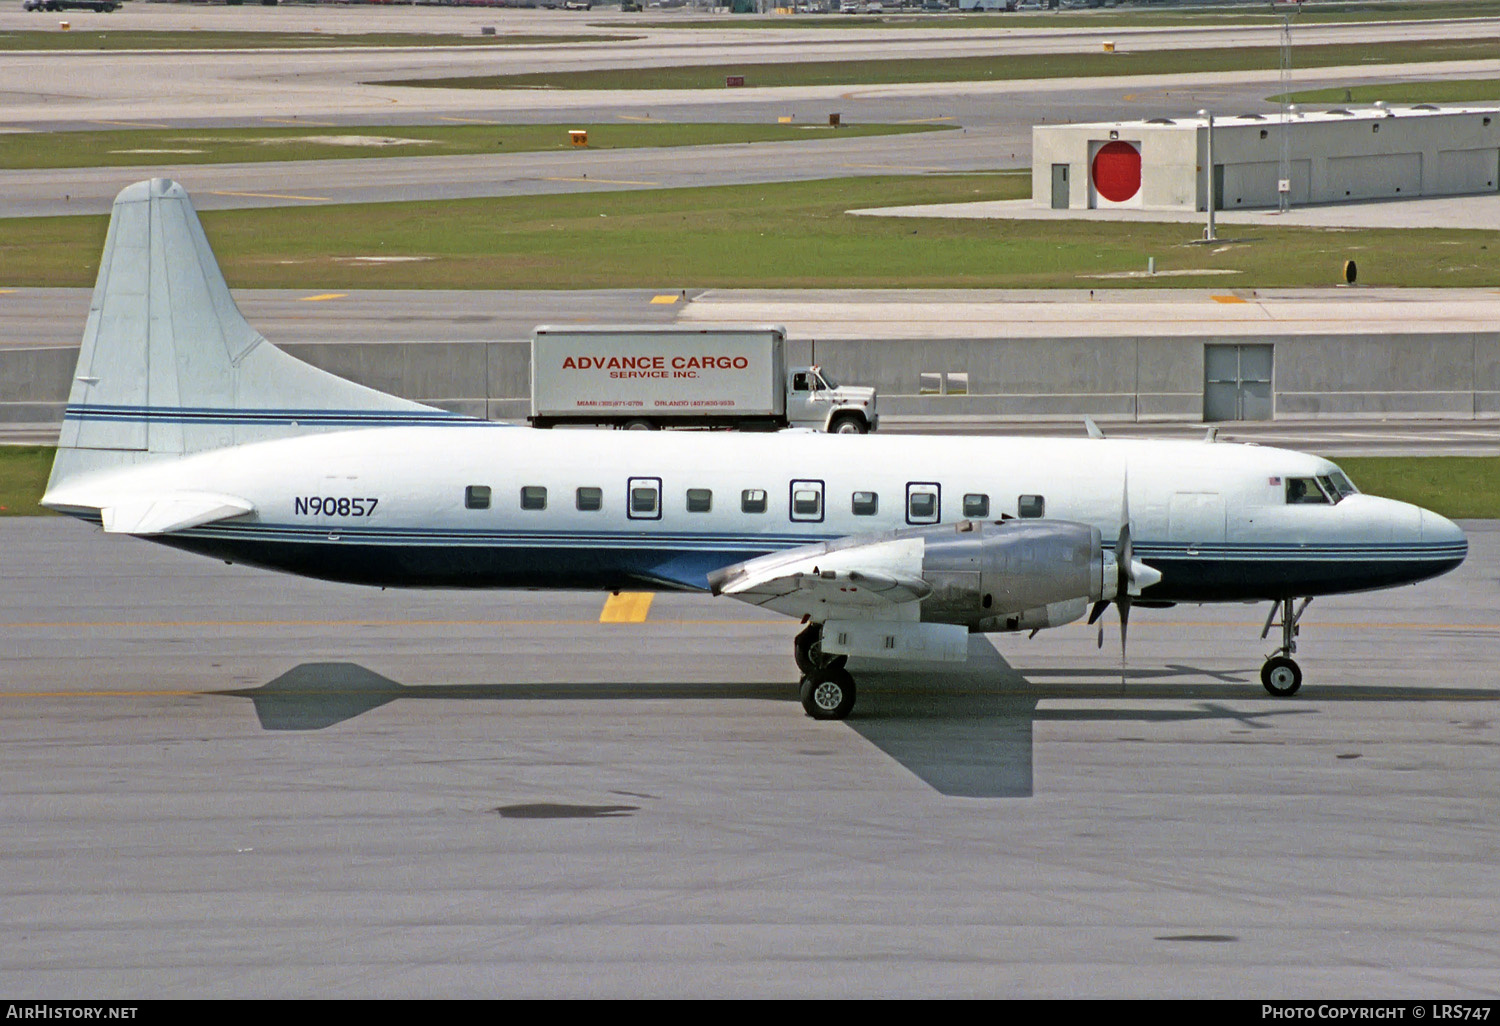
(1440, 529)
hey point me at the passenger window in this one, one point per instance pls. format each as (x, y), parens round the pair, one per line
(645, 498)
(533, 497)
(590, 499)
(699, 500)
(1304, 491)
(1031, 506)
(922, 503)
(864, 504)
(477, 497)
(807, 500)
(753, 500)
(976, 506)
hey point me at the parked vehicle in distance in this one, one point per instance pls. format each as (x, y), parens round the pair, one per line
(101, 6)
(645, 378)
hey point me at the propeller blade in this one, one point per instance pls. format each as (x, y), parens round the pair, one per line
(1097, 611)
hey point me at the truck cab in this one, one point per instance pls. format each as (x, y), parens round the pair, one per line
(813, 400)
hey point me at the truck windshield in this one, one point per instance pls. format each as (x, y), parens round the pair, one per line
(821, 380)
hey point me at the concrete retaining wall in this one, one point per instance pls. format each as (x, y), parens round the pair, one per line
(1454, 375)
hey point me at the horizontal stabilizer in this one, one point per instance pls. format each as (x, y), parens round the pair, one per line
(176, 511)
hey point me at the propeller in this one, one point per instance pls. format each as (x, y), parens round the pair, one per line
(1131, 578)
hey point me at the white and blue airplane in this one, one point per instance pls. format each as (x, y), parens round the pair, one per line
(185, 426)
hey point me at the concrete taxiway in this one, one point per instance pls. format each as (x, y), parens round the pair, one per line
(292, 89)
(221, 782)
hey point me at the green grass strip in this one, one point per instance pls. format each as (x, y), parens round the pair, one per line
(149, 147)
(1456, 91)
(772, 235)
(23, 478)
(1455, 486)
(1003, 67)
(139, 39)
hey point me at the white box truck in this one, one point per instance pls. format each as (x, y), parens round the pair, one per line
(676, 376)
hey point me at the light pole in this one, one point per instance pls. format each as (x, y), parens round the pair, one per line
(1208, 176)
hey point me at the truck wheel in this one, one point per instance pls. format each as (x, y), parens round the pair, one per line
(638, 424)
(847, 424)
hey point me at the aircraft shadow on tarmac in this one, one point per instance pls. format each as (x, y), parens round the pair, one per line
(965, 731)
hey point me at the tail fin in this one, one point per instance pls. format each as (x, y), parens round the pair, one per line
(169, 366)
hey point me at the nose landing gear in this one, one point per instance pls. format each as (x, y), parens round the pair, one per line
(1281, 675)
(827, 689)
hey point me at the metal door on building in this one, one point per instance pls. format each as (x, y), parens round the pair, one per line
(1059, 187)
(1237, 382)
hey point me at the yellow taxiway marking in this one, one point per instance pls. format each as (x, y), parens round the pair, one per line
(599, 181)
(665, 300)
(301, 124)
(272, 195)
(925, 121)
(1229, 299)
(6, 292)
(633, 117)
(322, 296)
(627, 607)
(130, 124)
(467, 121)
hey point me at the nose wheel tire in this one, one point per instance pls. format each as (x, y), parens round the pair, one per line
(1281, 676)
(827, 694)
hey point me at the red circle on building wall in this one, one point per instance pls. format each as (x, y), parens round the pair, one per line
(1117, 171)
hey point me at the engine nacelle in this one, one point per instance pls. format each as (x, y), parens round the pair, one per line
(1015, 574)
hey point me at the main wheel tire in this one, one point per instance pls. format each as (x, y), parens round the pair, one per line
(807, 650)
(847, 424)
(638, 424)
(828, 695)
(1281, 676)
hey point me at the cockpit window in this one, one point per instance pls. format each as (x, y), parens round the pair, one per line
(1342, 486)
(1305, 491)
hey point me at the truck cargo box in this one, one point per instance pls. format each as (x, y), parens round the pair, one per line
(661, 373)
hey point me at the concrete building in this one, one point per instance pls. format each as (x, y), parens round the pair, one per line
(1333, 156)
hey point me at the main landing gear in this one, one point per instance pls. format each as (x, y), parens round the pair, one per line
(827, 689)
(1281, 675)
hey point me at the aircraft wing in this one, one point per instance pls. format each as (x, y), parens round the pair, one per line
(846, 579)
(173, 511)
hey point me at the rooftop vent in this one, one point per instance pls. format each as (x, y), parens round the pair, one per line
(1160, 121)
(1426, 106)
(1341, 111)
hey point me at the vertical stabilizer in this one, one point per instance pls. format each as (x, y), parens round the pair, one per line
(169, 366)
